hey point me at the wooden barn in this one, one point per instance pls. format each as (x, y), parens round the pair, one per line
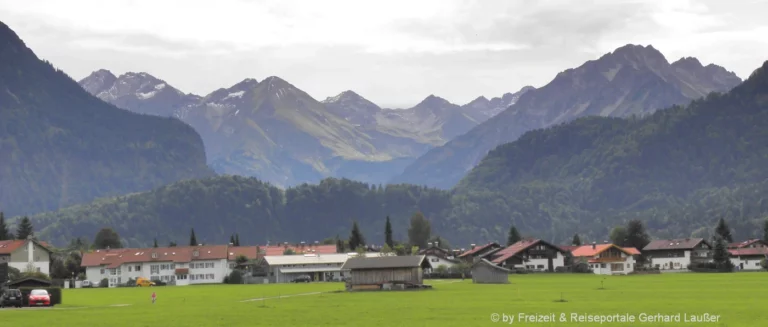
(388, 272)
(485, 272)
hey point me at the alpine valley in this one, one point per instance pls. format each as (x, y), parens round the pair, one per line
(274, 131)
(629, 135)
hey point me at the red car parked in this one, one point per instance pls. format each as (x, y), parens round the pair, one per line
(39, 298)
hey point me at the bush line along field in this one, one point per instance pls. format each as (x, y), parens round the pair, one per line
(736, 298)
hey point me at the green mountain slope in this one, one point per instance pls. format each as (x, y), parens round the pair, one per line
(632, 80)
(679, 169)
(59, 145)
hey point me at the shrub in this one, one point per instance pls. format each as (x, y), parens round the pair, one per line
(55, 293)
(764, 264)
(104, 283)
(130, 283)
(235, 277)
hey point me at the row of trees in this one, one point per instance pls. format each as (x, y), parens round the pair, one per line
(23, 230)
(419, 235)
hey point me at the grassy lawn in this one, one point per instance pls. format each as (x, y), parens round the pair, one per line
(739, 299)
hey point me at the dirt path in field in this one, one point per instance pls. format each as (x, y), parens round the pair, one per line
(282, 296)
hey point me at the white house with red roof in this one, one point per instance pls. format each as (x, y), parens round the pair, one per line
(24, 254)
(183, 265)
(530, 254)
(747, 255)
(677, 254)
(606, 259)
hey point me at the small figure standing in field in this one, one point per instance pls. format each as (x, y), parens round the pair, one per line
(154, 297)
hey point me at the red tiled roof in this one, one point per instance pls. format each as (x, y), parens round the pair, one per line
(249, 252)
(569, 248)
(478, 249)
(113, 258)
(518, 248)
(298, 249)
(7, 247)
(749, 252)
(674, 244)
(632, 251)
(588, 251)
(739, 245)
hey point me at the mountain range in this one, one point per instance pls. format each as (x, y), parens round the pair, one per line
(60, 146)
(678, 170)
(632, 80)
(277, 132)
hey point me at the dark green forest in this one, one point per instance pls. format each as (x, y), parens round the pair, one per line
(259, 212)
(678, 170)
(61, 146)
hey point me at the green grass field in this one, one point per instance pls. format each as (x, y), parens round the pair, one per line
(739, 299)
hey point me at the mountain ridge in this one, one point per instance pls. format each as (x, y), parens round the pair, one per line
(64, 146)
(631, 80)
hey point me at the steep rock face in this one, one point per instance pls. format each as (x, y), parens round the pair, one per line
(139, 92)
(482, 109)
(632, 80)
(60, 145)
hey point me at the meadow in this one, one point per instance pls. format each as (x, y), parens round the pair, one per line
(739, 299)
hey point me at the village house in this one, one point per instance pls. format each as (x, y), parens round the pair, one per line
(677, 254)
(26, 254)
(438, 257)
(385, 272)
(483, 251)
(747, 255)
(530, 254)
(183, 265)
(606, 259)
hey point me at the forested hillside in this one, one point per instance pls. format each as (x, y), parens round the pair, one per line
(60, 146)
(220, 206)
(679, 169)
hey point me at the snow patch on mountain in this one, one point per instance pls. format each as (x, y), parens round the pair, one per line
(238, 94)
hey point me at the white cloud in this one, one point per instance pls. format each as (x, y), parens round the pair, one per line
(394, 52)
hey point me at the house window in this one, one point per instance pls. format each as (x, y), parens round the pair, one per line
(138, 268)
(154, 255)
(154, 269)
(617, 267)
(540, 267)
(102, 271)
(38, 269)
(602, 265)
(209, 265)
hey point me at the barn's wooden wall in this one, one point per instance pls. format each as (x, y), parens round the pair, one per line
(483, 274)
(378, 276)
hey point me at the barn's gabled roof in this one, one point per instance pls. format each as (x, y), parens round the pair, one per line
(390, 262)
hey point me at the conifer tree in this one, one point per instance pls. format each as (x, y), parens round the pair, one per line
(25, 229)
(388, 234)
(576, 240)
(513, 236)
(192, 238)
(5, 234)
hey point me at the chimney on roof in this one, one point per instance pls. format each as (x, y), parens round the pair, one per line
(436, 244)
(594, 245)
(429, 244)
(472, 246)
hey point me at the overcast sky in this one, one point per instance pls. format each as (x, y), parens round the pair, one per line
(395, 53)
